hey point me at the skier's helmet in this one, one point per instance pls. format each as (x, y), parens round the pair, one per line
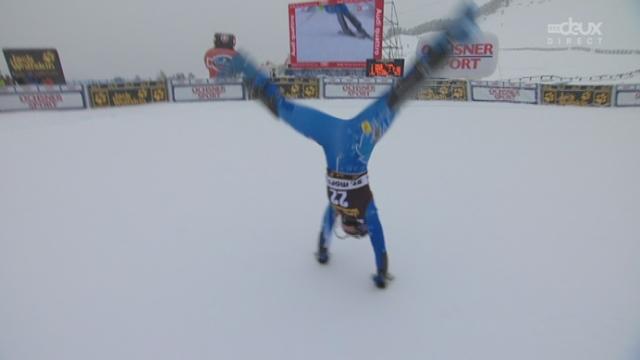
(353, 226)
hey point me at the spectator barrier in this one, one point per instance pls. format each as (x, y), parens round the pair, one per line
(627, 95)
(42, 97)
(110, 94)
(206, 90)
(128, 93)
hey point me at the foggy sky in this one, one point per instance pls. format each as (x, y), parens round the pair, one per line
(103, 39)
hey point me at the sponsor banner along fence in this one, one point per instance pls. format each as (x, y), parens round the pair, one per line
(504, 92)
(42, 97)
(475, 59)
(355, 88)
(45, 97)
(627, 95)
(298, 88)
(206, 90)
(131, 93)
(581, 95)
(439, 89)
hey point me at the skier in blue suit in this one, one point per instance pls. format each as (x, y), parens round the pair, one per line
(348, 143)
(343, 14)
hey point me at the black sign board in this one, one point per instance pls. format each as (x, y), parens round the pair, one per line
(34, 66)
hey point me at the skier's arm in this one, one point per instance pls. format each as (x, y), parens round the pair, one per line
(301, 118)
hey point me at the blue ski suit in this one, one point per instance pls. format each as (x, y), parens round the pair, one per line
(347, 145)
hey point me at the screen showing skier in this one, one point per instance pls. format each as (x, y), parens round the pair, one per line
(335, 33)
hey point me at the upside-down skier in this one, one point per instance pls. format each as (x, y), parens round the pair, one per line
(348, 144)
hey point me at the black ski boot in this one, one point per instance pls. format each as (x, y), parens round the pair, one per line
(382, 277)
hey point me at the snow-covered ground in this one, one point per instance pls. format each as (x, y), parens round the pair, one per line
(186, 231)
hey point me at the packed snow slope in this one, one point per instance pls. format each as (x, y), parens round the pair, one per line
(186, 231)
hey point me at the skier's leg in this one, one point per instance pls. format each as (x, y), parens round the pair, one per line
(379, 248)
(343, 25)
(358, 25)
(309, 122)
(324, 239)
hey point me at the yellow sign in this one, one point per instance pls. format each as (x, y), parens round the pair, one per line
(443, 90)
(299, 88)
(122, 94)
(580, 95)
(34, 66)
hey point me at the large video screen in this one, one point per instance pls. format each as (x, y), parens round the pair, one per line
(335, 33)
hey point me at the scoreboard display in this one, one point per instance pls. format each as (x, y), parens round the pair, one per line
(385, 68)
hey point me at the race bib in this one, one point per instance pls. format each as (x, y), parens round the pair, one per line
(349, 194)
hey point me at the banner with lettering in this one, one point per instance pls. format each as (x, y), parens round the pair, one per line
(504, 92)
(206, 90)
(353, 88)
(35, 66)
(42, 97)
(130, 93)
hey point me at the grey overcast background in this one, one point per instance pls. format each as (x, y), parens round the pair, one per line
(103, 39)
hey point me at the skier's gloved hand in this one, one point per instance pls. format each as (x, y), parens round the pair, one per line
(257, 82)
(464, 27)
(241, 64)
(461, 28)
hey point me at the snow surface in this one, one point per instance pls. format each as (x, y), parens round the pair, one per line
(186, 231)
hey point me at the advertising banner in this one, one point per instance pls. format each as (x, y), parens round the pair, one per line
(475, 59)
(580, 95)
(504, 92)
(123, 94)
(442, 89)
(628, 95)
(298, 88)
(34, 66)
(353, 88)
(335, 33)
(14, 98)
(204, 90)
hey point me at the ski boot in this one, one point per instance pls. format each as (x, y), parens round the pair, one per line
(382, 277)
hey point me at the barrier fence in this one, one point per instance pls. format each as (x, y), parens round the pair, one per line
(504, 92)
(581, 95)
(130, 93)
(206, 90)
(42, 97)
(66, 97)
